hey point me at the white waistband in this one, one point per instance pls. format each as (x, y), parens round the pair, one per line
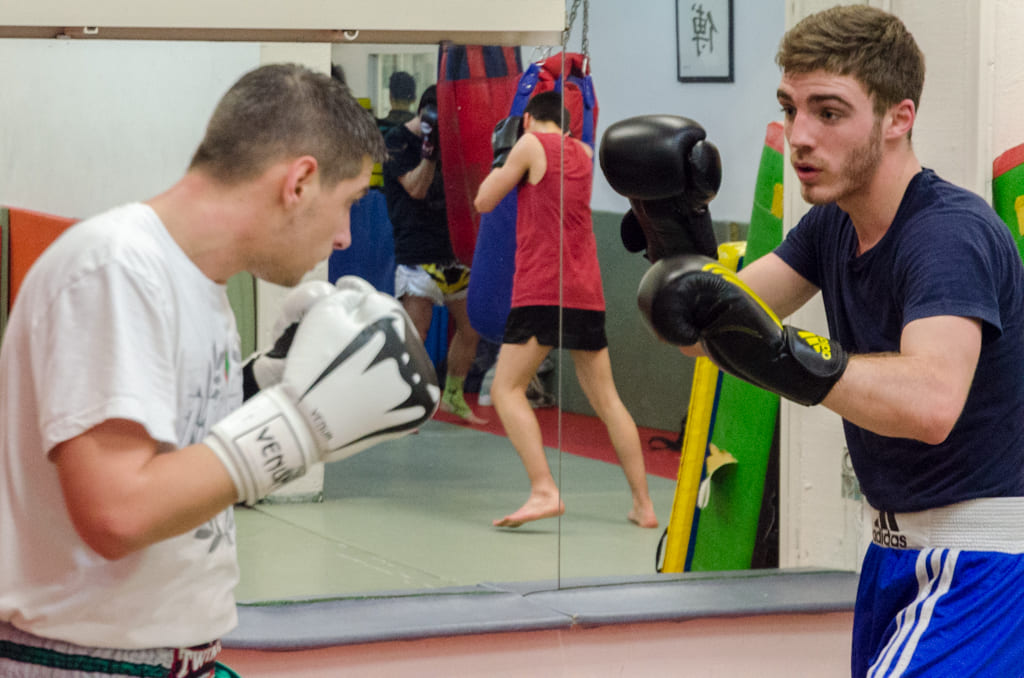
(18, 648)
(995, 524)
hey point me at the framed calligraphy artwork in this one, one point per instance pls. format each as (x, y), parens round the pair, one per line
(704, 40)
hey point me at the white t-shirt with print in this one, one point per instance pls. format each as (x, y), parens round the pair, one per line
(113, 322)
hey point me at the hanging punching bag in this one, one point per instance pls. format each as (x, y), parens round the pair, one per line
(490, 284)
(475, 86)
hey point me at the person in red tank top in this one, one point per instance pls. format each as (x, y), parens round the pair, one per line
(554, 173)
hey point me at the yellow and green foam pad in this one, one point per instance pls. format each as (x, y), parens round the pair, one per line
(1008, 192)
(731, 425)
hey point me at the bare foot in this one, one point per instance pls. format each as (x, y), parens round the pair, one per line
(643, 516)
(473, 419)
(464, 411)
(535, 508)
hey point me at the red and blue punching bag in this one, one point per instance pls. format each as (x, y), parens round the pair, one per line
(490, 283)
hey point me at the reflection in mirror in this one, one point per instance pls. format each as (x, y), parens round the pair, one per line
(420, 67)
(417, 513)
(414, 513)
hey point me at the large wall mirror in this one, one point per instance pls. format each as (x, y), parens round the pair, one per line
(120, 120)
(417, 513)
(117, 121)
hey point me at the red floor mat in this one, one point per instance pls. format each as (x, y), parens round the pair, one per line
(581, 435)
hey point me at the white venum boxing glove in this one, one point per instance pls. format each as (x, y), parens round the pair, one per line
(357, 374)
(267, 367)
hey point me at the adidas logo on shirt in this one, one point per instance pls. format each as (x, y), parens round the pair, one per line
(885, 531)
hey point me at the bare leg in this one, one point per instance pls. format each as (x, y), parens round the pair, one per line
(461, 353)
(517, 363)
(593, 368)
(420, 310)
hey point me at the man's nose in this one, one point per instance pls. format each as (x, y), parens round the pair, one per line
(343, 237)
(799, 131)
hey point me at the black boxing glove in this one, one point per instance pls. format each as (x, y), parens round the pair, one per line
(669, 172)
(688, 298)
(662, 228)
(505, 135)
(428, 126)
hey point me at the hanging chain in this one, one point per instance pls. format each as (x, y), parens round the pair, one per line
(586, 29)
(567, 31)
(585, 46)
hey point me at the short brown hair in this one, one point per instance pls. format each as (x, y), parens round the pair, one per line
(871, 45)
(287, 110)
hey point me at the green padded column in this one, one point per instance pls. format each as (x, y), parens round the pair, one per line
(1008, 192)
(745, 417)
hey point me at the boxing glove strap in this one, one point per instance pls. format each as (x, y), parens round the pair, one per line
(821, 363)
(803, 367)
(264, 444)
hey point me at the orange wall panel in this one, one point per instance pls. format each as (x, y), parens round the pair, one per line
(30, 233)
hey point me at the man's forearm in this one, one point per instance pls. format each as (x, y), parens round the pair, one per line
(418, 180)
(898, 396)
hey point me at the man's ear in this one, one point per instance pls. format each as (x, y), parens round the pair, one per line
(301, 174)
(901, 119)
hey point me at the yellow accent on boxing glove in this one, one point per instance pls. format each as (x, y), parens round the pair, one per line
(689, 298)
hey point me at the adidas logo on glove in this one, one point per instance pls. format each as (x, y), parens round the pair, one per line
(818, 343)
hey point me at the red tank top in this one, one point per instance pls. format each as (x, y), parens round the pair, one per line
(538, 237)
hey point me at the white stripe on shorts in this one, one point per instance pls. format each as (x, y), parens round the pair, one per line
(913, 621)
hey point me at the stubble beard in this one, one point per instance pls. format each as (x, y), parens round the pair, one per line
(856, 172)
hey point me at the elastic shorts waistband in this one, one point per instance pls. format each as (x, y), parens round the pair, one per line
(993, 524)
(63, 659)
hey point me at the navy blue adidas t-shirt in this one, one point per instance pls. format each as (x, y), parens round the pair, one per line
(946, 253)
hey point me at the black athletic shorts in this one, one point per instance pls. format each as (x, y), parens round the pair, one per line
(581, 330)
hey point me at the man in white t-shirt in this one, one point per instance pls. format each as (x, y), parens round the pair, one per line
(124, 441)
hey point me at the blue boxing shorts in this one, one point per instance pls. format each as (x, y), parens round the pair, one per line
(942, 593)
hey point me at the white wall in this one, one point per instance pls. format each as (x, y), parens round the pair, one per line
(633, 55)
(86, 125)
(1005, 19)
(948, 134)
